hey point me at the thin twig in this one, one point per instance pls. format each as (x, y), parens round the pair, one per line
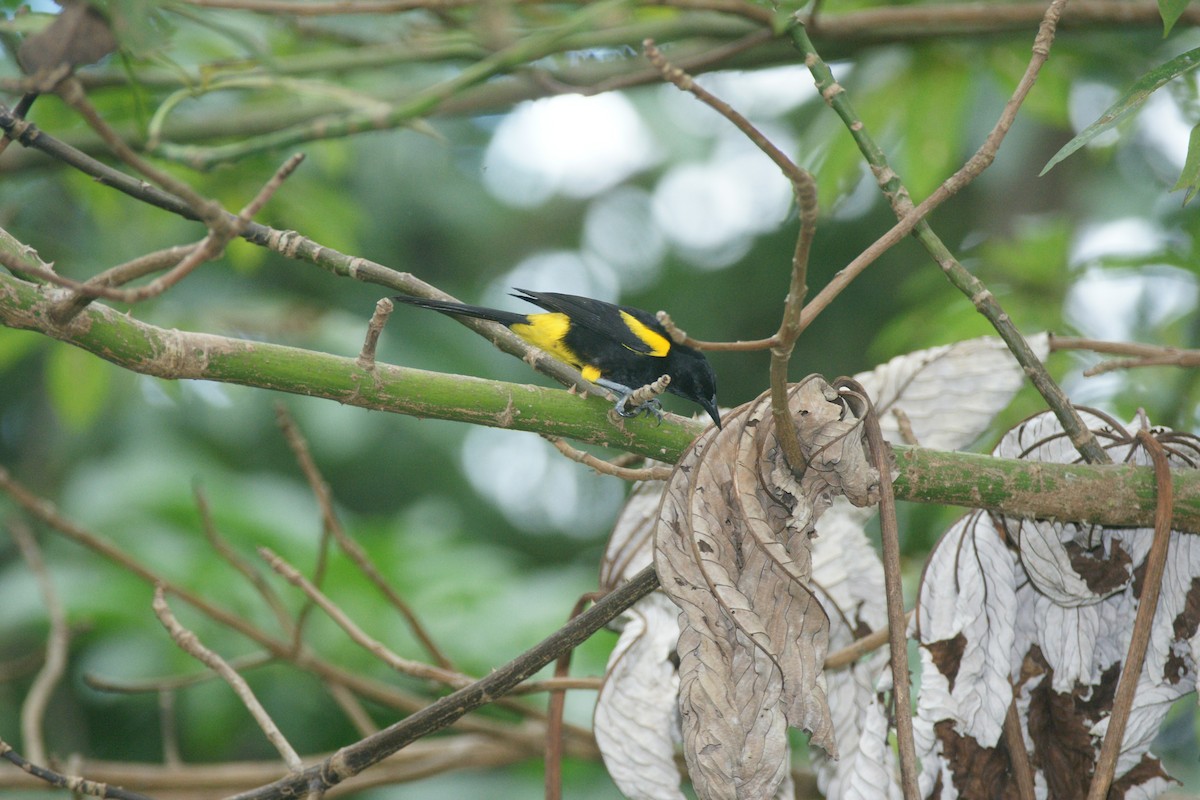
(190, 644)
(1142, 355)
(1131, 672)
(121, 274)
(554, 714)
(805, 190)
(33, 710)
(648, 393)
(234, 559)
(402, 665)
(860, 647)
(607, 468)
(366, 356)
(320, 489)
(172, 682)
(168, 722)
(1079, 434)
(893, 587)
(372, 689)
(71, 783)
(355, 758)
(1014, 740)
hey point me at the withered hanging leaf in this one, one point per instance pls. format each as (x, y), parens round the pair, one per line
(968, 594)
(637, 710)
(79, 35)
(630, 547)
(637, 720)
(732, 550)
(949, 394)
(1070, 620)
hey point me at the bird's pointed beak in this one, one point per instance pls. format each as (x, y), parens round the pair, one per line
(711, 407)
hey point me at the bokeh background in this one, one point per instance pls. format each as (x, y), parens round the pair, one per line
(645, 196)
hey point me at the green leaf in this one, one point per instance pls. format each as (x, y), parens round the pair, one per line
(1130, 102)
(1170, 11)
(1189, 178)
(78, 384)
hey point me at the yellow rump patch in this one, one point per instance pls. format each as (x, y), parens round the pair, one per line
(659, 345)
(547, 331)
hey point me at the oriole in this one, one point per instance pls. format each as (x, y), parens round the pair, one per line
(618, 347)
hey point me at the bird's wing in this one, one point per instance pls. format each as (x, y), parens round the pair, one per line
(630, 327)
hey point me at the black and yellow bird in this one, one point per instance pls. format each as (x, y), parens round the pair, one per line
(618, 347)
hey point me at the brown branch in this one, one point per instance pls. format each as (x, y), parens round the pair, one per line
(304, 660)
(969, 171)
(121, 274)
(893, 587)
(191, 644)
(607, 468)
(33, 710)
(1131, 671)
(70, 782)
(172, 682)
(226, 551)
(860, 647)
(320, 489)
(376, 648)
(366, 356)
(355, 758)
(1014, 740)
(554, 714)
(1143, 355)
(805, 190)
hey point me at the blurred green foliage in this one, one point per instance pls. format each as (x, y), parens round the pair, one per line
(1097, 247)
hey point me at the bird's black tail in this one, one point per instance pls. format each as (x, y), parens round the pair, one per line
(459, 309)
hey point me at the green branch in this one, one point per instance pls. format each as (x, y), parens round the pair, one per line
(1114, 495)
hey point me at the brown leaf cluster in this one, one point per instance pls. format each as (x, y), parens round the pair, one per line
(733, 552)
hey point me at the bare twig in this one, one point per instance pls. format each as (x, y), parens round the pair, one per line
(383, 309)
(648, 393)
(355, 758)
(805, 190)
(320, 490)
(1141, 355)
(403, 665)
(69, 782)
(172, 682)
(893, 586)
(190, 644)
(914, 220)
(860, 647)
(209, 248)
(234, 559)
(1014, 740)
(304, 660)
(607, 468)
(1131, 671)
(554, 713)
(33, 710)
(116, 276)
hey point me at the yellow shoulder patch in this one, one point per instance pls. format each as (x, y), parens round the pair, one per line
(659, 345)
(547, 331)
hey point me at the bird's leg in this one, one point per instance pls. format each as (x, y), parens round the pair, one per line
(643, 400)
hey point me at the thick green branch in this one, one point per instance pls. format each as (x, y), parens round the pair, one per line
(1114, 495)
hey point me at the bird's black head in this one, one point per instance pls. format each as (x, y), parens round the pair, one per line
(693, 379)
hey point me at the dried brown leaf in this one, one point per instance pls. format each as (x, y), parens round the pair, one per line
(733, 552)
